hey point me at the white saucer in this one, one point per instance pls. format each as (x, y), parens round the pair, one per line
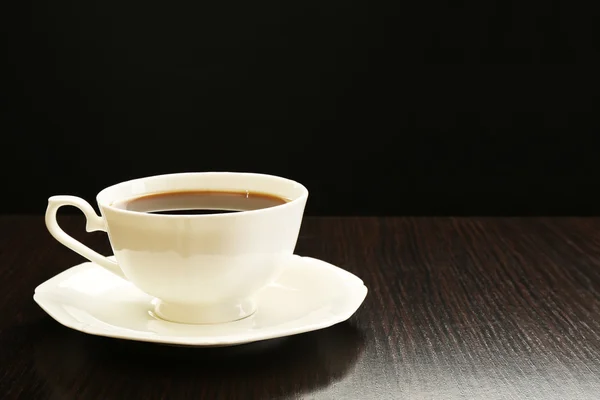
(311, 294)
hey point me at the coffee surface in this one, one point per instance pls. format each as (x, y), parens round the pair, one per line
(200, 202)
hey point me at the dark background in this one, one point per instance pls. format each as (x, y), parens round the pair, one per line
(379, 108)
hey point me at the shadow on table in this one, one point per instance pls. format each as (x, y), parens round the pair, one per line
(78, 365)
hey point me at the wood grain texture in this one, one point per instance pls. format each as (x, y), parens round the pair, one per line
(458, 308)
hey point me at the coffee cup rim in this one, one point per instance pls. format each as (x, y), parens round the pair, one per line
(108, 204)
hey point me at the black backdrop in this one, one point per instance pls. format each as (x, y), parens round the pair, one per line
(379, 108)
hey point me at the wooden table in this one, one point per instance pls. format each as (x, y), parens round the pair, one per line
(473, 308)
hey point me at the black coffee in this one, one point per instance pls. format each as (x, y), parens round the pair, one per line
(200, 202)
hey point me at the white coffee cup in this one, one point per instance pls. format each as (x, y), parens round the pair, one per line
(200, 268)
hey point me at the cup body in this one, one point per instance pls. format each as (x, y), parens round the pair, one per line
(203, 268)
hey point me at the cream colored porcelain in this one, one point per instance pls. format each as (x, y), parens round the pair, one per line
(310, 294)
(200, 268)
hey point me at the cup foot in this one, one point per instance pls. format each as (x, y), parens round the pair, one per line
(204, 314)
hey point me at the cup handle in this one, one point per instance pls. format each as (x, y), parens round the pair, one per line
(93, 223)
